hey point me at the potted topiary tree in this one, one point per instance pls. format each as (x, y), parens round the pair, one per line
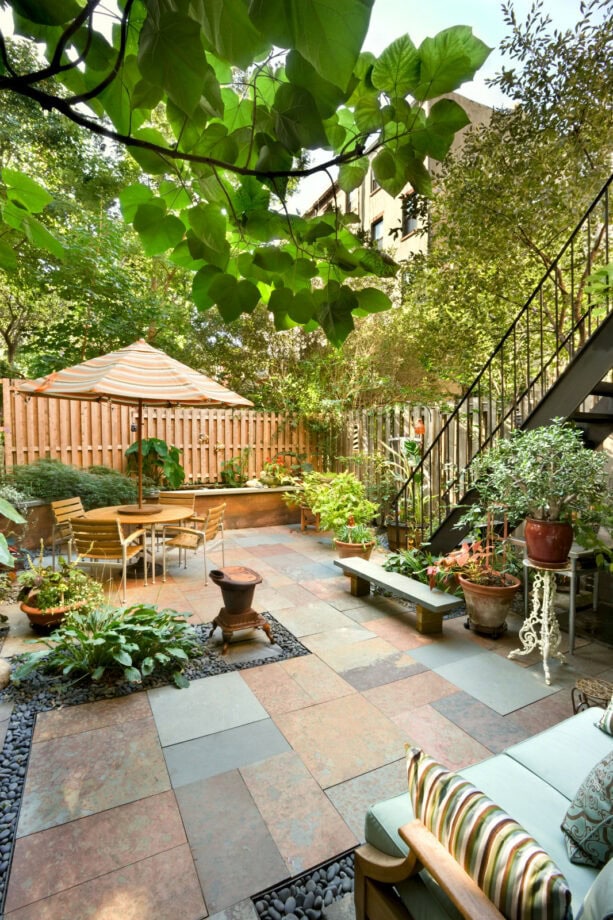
(549, 478)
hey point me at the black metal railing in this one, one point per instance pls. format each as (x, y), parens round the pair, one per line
(551, 328)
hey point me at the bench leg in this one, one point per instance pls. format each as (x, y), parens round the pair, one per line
(360, 587)
(428, 621)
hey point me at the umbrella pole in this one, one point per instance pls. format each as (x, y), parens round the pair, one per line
(139, 435)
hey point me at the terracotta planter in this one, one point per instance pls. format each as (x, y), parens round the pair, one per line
(44, 620)
(487, 605)
(362, 550)
(548, 542)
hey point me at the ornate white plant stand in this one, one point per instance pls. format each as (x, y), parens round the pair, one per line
(541, 630)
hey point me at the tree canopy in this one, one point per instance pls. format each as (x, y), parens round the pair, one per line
(221, 103)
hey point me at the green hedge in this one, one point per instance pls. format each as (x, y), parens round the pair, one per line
(52, 480)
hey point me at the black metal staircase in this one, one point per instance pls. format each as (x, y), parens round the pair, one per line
(551, 363)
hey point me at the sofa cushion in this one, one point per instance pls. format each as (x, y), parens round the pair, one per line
(598, 904)
(605, 723)
(563, 754)
(588, 824)
(502, 858)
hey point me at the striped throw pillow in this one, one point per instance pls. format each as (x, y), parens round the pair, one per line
(606, 720)
(500, 856)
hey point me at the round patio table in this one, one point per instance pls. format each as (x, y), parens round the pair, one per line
(168, 514)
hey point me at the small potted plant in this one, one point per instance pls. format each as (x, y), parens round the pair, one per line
(353, 539)
(549, 478)
(482, 570)
(47, 595)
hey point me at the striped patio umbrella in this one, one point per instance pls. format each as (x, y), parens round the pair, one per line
(138, 375)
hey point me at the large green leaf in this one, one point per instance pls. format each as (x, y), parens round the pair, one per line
(209, 224)
(171, 55)
(26, 191)
(40, 237)
(396, 72)
(9, 511)
(327, 96)
(328, 35)
(449, 59)
(335, 304)
(369, 116)
(273, 259)
(6, 557)
(297, 120)
(351, 175)
(47, 12)
(131, 197)
(8, 259)
(201, 284)
(233, 297)
(372, 300)
(436, 135)
(149, 160)
(157, 231)
(230, 32)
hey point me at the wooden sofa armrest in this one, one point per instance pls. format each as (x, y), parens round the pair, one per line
(459, 887)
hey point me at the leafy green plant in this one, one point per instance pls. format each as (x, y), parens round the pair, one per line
(546, 473)
(52, 480)
(160, 462)
(234, 472)
(12, 503)
(418, 563)
(44, 587)
(341, 498)
(355, 533)
(131, 643)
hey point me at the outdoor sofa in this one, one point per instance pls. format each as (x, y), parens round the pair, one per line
(534, 782)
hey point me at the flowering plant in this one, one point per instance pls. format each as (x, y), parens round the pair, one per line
(275, 473)
(44, 587)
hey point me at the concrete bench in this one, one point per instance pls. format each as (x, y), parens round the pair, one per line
(430, 603)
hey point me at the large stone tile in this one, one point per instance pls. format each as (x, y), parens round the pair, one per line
(74, 719)
(62, 857)
(213, 754)
(164, 886)
(399, 632)
(312, 618)
(394, 699)
(428, 729)
(353, 798)
(446, 649)
(208, 706)
(295, 683)
(495, 681)
(544, 713)
(234, 852)
(306, 828)
(244, 910)
(89, 772)
(494, 731)
(342, 738)
(351, 655)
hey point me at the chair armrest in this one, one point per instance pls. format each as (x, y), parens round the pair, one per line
(381, 867)
(177, 528)
(464, 893)
(132, 537)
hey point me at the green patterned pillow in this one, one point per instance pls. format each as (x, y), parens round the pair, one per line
(500, 856)
(606, 720)
(588, 825)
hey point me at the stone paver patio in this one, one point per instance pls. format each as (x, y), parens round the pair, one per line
(180, 805)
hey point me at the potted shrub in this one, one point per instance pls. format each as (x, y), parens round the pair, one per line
(48, 594)
(353, 539)
(341, 503)
(160, 462)
(549, 478)
(483, 573)
(309, 490)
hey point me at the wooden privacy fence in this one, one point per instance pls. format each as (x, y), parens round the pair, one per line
(98, 433)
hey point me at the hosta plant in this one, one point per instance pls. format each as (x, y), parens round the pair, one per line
(132, 643)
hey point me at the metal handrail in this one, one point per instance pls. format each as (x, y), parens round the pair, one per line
(514, 379)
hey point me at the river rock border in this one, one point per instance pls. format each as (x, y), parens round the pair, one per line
(308, 895)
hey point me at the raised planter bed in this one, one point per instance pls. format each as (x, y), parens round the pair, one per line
(244, 508)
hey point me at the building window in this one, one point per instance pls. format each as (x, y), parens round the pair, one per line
(374, 185)
(412, 210)
(376, 233)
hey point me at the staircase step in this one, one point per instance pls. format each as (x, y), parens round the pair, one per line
(593, 418)
(603, 389)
